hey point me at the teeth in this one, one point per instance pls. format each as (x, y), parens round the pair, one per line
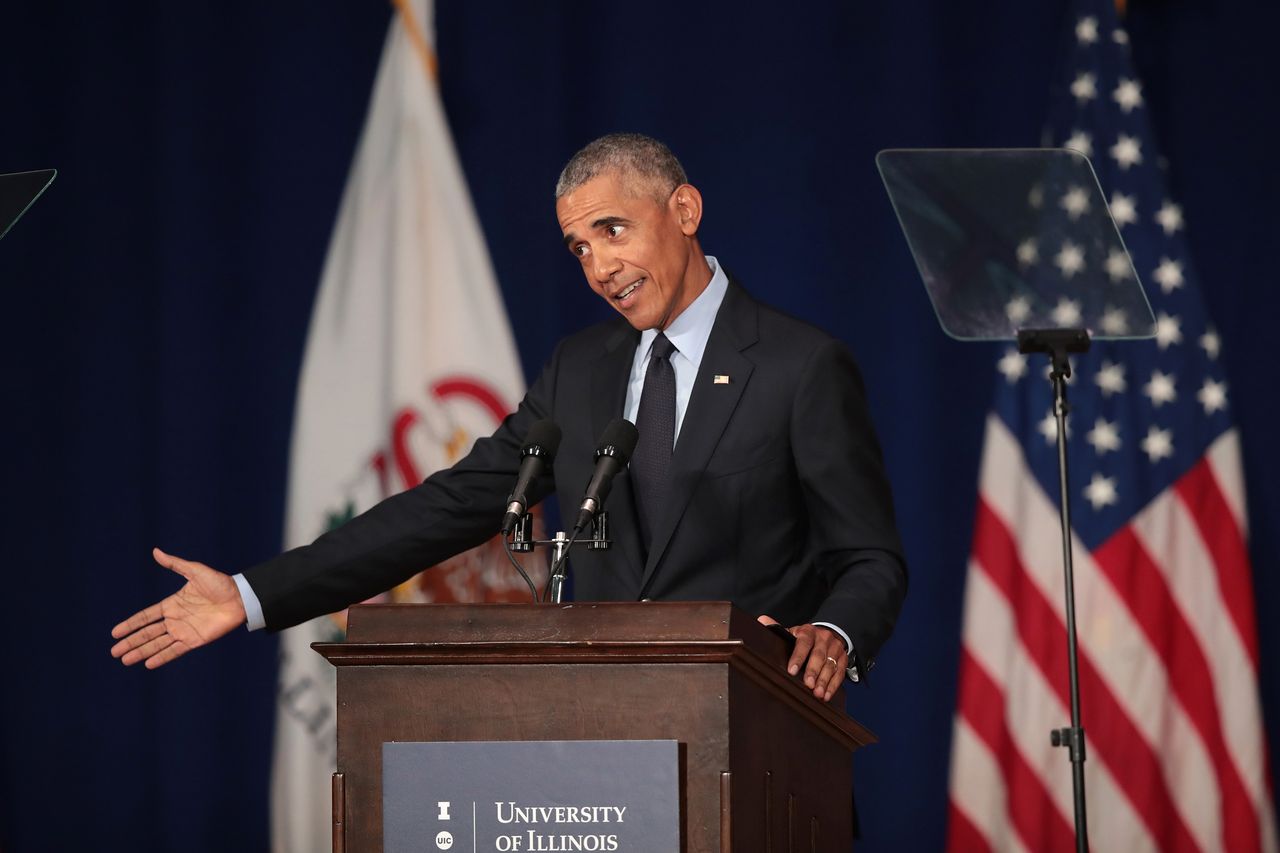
(624, 294)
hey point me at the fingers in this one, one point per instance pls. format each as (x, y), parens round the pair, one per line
(136, 639)
(822, 654)
(154, 646)
(827, 666)
(173, 652)
(174, 564)
(138, 620)
(766, 620)
(145, 651)
(804, 644)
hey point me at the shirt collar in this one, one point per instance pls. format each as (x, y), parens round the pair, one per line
(689, 332)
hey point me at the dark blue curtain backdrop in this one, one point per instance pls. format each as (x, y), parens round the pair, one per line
(156, 303)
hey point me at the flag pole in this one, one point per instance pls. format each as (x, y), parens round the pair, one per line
(1057, 343)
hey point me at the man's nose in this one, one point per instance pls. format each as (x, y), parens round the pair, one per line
(606, 266)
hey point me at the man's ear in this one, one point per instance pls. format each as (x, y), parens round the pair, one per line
(686, 205)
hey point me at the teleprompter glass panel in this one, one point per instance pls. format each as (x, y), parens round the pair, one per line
(18, 191)
(1010, 239)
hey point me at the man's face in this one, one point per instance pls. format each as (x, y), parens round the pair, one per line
(635, 250)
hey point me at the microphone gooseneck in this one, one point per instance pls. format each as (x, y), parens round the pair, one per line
(539, 450)
(612, 455)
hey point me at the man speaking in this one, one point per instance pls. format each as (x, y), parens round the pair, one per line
(757, 477)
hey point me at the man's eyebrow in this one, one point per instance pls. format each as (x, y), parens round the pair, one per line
(602, 222)
(606, 221)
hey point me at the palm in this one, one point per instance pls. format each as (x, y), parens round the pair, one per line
(207, 607)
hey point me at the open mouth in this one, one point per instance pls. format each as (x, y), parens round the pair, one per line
(628, 290)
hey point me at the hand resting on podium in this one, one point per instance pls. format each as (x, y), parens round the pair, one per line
(827, 659)
(207, 607)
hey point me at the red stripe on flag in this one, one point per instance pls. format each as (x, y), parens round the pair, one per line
(1200, 492)
(1115, 739)
(1031, 810)
(1139, 582)
(962, 835)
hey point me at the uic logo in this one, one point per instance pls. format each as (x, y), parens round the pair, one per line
(444, 839)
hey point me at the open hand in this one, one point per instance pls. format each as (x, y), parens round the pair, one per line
(207, 607)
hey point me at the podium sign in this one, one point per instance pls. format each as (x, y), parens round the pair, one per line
(524, 796)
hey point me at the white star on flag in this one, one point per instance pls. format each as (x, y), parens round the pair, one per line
(1018, 309)
(1035, 197)
(1158, 444)
(1168, 330)
(1104, 436)
(1210, 343)
(1087, 30)
(1075, 203)
(1070, 260)
(1170, 217)
(1160, 389)
(1066, 314)
(1085, 88)
(1213, 396)
(1168, 275)
(1124, 209)
(1049, 427)
(1080, 141)
(1028, 252)
(1114, 322)
(1119, 37)
(1013, 365)
(1101, 491)
(1110, 379)
(1128, 94)
(1127, 151)
(1117, 265)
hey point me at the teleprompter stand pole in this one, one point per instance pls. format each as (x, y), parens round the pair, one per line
(1057, 343)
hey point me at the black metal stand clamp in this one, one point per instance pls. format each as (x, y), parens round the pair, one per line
(522, 541)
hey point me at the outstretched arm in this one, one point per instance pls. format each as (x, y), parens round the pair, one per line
(207, 607)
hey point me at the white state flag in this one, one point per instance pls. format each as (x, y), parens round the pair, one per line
(408, 360)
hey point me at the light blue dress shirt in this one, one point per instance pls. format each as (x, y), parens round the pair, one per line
(688, 333)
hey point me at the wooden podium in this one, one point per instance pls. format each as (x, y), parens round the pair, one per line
(763, 765)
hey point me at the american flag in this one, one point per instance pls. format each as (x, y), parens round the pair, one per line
(1177, 756)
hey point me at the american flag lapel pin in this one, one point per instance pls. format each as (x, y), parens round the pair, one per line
(720, 379)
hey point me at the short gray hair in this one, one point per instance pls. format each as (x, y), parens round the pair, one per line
(630, 154)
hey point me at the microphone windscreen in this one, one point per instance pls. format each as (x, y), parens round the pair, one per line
(544, 434)
(622, 436)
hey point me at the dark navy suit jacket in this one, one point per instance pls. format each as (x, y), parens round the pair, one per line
(779, 501)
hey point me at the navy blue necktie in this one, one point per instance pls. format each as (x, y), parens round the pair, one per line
(656, 423)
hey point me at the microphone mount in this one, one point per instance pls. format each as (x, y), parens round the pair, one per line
(522, 542)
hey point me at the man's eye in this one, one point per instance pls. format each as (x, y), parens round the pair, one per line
(614, 230)
(580, 250)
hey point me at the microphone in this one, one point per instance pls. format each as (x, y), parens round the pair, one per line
(539, 451)
(612, 455)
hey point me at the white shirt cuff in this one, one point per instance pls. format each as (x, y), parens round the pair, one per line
(255, 621)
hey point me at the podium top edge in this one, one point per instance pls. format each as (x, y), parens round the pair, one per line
(620, 621)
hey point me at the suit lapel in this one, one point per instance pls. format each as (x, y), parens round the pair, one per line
(710, 407)
(609, 376)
